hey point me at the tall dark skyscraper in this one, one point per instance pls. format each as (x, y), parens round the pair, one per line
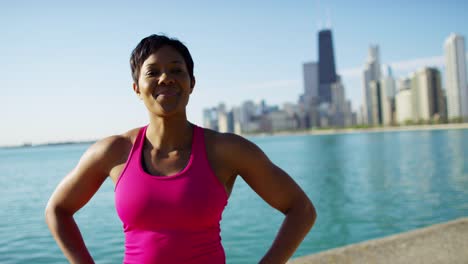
(327, 72)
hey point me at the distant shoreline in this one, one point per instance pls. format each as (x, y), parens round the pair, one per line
(51, 144)
(318, 132)
(338, 131)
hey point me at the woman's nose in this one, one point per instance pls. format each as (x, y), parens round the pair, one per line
(165, 79)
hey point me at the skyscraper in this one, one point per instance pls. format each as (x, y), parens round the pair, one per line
(388, 81)
(376, 102)
(327, 71)
(388, 95)
(311, 81)
(456, 82)
(403, 101)
(311, 93)
(371, 73)
(428, 95)
(338, 104)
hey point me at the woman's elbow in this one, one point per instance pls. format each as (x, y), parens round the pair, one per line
(310, 213)
(52, 213)
(305, 210)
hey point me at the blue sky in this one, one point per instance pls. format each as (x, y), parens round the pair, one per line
(64, 72)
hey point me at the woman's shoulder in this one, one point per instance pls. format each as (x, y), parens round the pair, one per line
(119, 141)
(226, 143)
(216, 138)
(113, 148)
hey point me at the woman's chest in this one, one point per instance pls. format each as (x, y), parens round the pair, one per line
(169, 202)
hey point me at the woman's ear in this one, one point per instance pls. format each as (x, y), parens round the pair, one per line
(192, 84)
(136, 89)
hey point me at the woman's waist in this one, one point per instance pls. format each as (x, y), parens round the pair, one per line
(184, 246)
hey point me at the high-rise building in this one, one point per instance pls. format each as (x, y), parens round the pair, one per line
(388, 91)
(311, 99)
(439, 103)
(311, 79)
(387, 81)
(210, 118)
(236, 118)
(403, 102)
(247, 117)
(376, 102)
(323, 102)
(350, 117)
(371, 73)
(339, 104)
(326, 69)
(404, 111)
(415, 96)
(430, 102)
(456, 79)
(225, 120)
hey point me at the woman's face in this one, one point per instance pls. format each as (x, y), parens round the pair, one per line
(164, 83)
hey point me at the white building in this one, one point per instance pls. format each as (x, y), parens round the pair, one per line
(387, 81)
(281, 121)
(247, 111)
(223, 122)
(404, 110)
(386, 106)
(210, 118)
(456, 79)
(291, 109)
(403, 102)
(415, 96)
(236, 113)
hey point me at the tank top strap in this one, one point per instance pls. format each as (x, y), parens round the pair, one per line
(198, 142)
(140, 140)
(133, 157)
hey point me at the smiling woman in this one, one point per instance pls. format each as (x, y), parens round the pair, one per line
(164, 84)
(173, 178)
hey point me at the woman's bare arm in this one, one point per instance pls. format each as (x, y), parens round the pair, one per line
(74, 191)
(278, 189)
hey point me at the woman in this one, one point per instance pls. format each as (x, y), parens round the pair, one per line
(173, 178)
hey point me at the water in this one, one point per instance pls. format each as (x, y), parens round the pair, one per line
(364, 186)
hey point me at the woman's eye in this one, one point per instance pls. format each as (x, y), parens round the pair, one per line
(177, 70)
(151, 73)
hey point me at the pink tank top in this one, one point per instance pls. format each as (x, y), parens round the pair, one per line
(171, 219)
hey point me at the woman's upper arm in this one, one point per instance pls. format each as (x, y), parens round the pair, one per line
(269, 181)
(79, 185)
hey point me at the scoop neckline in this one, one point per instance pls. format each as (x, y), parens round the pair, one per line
(166, 177)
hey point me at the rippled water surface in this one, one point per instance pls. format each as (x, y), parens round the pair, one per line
(364, 186)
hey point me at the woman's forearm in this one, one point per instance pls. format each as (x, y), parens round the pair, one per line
(297, 223)
(67, 235)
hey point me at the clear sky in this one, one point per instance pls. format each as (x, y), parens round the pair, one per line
(64, 72)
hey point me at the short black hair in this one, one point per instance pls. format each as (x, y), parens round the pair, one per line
(152, 44)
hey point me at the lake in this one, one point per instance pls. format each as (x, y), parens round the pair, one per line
(364, 186)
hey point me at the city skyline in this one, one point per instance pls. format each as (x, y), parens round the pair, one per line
(88, 51)
(418, 98)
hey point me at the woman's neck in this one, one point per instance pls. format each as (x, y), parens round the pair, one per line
(168, 134)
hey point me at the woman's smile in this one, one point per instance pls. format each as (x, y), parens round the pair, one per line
(167, 93)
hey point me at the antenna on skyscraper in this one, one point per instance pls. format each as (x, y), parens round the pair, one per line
(328, 25)
(319, 23)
